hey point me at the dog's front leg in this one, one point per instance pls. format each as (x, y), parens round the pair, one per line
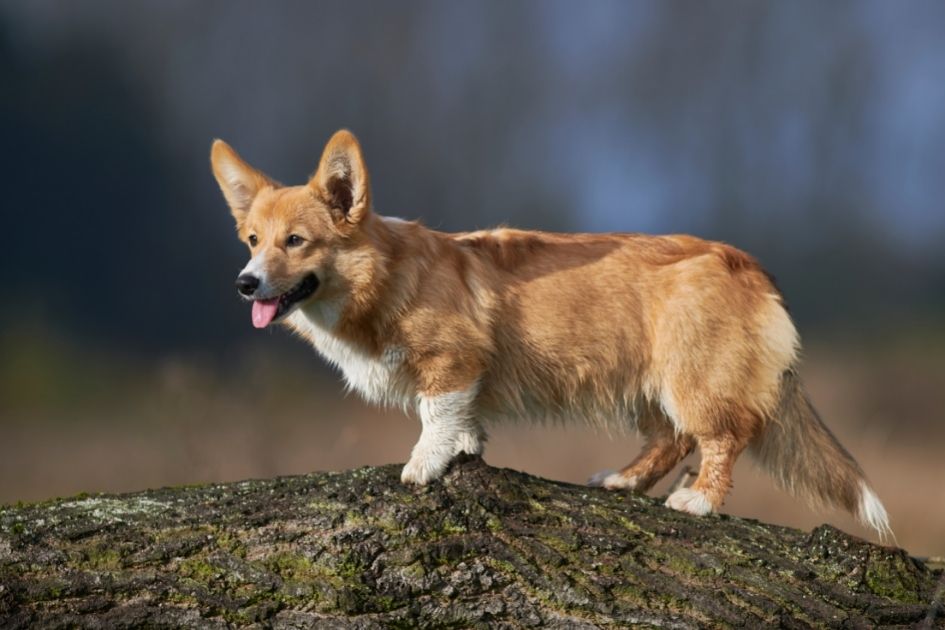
(449, 428)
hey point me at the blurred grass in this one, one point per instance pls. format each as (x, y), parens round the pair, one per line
(74, 420)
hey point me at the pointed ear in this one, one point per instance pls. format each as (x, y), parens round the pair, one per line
(239, 181)
(341, 180)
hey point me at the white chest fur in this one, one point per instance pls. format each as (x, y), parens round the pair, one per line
(379, 379)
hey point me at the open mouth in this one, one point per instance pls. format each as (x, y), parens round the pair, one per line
(267, 311)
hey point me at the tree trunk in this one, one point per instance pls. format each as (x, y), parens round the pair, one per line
(483, 547)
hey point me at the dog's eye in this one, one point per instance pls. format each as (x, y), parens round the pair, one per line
(294, 240)
(253, 240)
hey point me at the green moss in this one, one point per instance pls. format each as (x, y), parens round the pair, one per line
(254, 613)
(197, 568)
(103, 559)
(49, 589)
(350, 567)
(450, 528)
(322, 587)
(608, 515)
(414, 571)
(678, 561)
(230, 543)
(629, 525)
(187, 486)
(891, 577)
(177, 597)
(562, 546)
(327, 507)
(628, 593)
(177, 533)
(386, 524)
(292, 566)
(304, 583)
(384, 603)
(503, 566)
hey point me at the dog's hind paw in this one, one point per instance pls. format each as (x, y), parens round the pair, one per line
(689, 500)
(597, 479)
(612, 480)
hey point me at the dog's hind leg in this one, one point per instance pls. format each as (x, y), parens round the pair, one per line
(664, 448)
(722, 435)
(715, 476)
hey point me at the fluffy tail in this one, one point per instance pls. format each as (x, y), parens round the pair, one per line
(807, 460)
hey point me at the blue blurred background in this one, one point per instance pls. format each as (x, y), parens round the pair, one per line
(810, 134)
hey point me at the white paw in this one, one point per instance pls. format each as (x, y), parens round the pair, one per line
(597, 479)
(689, 500)
(423, 468)
(612, 481)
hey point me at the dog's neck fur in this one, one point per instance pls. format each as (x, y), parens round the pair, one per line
(363, 313)
(360, 336)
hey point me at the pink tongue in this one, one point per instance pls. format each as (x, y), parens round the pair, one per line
(264, 311)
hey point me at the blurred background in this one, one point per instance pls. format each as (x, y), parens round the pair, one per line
(810, 134)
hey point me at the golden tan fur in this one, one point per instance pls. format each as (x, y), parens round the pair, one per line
(685, 339)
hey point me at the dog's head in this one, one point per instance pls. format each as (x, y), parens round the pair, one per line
(298, 236)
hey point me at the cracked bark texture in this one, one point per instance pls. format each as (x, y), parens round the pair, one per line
(484, 547)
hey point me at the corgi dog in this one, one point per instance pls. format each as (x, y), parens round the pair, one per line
(686, 340)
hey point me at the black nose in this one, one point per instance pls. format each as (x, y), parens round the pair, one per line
(247, 284)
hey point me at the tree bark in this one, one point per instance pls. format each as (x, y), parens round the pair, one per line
(483, 547)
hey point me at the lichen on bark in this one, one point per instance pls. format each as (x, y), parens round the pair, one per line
(483, 547)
